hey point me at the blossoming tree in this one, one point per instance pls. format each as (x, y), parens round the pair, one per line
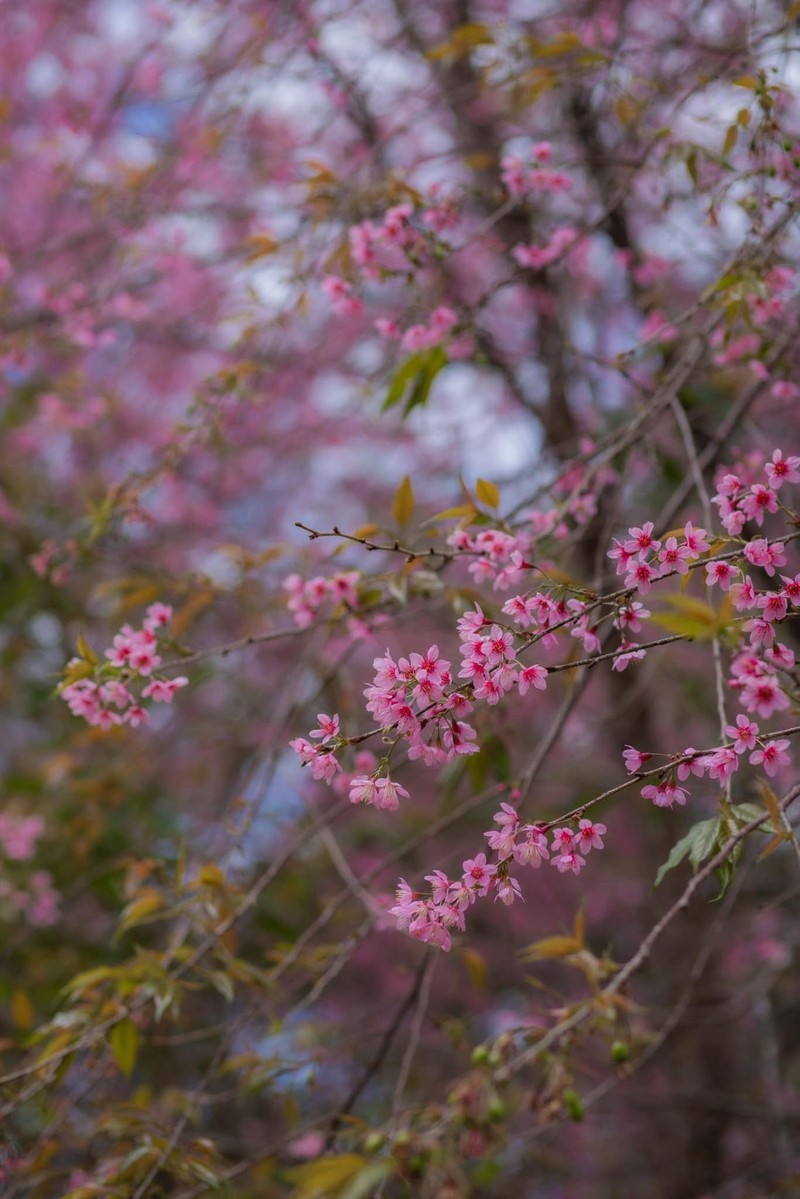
(399, 506)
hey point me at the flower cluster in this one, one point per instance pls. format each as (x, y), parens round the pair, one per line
(424, 337)
(488, 657)
(308, 598)
(522, 175)
(416, 700)
(738, 503)
(432, 918)
(642, 558)
(19, 835)
(390, 246)
(35, 898)
(537, 257)
(38, 904)
(499, 556)
(111, 693)
(340, 294)
(410, 698)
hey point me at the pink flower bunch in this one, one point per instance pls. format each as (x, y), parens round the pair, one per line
(499, 556)
(538, 612)
(18, 836)
(102, 695)
(643, 559)
(537, 257)
(489, 661)
(570, 848)
(321, 758)
(424, 337)
(658, 327)
(737, 348)
(432, 918)
(409, 697)
(396, 245)
(523, 175)
(309, 597)
(757, 684)
(737, 502)
(54, 561)
(340, 294)
(719, 763)
(38, 904)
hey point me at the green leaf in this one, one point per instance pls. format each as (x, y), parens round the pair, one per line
(497, 756)
(402, 377)
(706, 835)
(419, 372)
(696, 846)
(124, 1042)
(743, 813)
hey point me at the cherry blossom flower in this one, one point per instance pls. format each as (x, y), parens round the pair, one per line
(782, 470)
(744, 733)
(720, 572)
(589, 835)
(665, 793)
(634, 759)
(773, 755)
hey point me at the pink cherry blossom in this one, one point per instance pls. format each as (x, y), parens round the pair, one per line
(773, 755)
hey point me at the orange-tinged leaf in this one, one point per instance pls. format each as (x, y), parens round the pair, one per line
(488, 493)
(259, 246)
(551, 947)
(403, 503)
(773, 845)
(22, 1016)
(771, 804)
(140, 909)
(326, 1176)
(211, 875)
(459, 511)
(476, 966)
(186, 615)
(85, 650)
(746, 81)
(367, 530)
(76, 670)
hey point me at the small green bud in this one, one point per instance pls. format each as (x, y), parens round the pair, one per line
(497, 1110)
(480, 1055)
(620, 1051)
(374, 1142)
(574, 1106)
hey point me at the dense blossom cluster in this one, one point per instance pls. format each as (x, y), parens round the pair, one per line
(417, 701)
(432, 918)
(112, 693)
